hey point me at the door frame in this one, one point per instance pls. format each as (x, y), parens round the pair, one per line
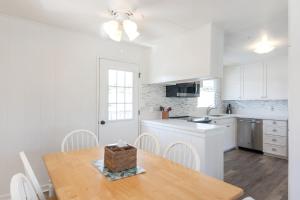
(98, 100)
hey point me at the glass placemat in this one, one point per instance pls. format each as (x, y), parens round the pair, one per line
(99, 164)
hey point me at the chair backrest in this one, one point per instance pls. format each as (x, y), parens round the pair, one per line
(183, 153)
(79, 139)
(147, 142)
(30, 174)
(248, 198)
(21, 188)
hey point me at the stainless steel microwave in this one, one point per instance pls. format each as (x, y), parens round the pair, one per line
(183, 90)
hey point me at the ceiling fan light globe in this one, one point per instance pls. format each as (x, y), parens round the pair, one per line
(113, 30)
(110, 26)
(132, 36)
(130, 28)
(117, 36)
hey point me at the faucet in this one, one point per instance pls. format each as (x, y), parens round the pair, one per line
(210, 108)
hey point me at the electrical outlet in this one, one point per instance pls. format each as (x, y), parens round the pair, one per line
(272, 108)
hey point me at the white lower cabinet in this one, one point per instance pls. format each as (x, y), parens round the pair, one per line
(275, 150)
(230, 132)
(275, 138)
(208, 143)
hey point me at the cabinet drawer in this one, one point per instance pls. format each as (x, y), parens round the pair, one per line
(275, 123)
(275, 150)
(224, 122)
(272, 130)
(277, 140)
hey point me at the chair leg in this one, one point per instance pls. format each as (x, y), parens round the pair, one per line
(51, 190)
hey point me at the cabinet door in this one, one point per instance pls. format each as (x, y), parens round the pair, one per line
(230, 137)
(232, 83)
(253, 85)
(277, 78)
(229, 132)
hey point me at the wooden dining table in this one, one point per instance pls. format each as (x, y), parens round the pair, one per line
(74, 177)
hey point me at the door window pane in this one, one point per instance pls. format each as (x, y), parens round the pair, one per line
(128, 107)
(120, 78)
(128, 95)
(112, 94)
(120, 95)
(120, 111)
(112, 111)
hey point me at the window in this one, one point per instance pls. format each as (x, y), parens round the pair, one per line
(120, 95)
(207, 94)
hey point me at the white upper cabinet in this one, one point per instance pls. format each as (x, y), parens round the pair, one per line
(260, 81)
(277, 78)
(192, 55)
(253, 81)
(232, 83)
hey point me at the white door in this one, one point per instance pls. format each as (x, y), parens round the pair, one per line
(118, 102)
(232, 83)
(254, 86)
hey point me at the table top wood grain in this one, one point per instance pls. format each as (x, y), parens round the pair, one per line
(75, 178)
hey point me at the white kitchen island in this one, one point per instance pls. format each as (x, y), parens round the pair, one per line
(208, 139)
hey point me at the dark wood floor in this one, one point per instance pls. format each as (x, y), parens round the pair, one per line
(261, 177)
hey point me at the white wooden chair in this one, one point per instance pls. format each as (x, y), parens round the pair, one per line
(21, 188)
(30, 174)
(248, 198)
(147, 142)
(79, 139)
(183, 153)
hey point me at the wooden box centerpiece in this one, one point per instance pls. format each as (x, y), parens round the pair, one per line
(118, 159)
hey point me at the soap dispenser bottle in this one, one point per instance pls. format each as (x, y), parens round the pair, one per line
(229, 109)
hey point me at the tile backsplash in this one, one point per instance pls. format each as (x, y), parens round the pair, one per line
(153, 96)
(273, 108)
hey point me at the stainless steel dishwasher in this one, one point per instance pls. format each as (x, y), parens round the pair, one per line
(250, 133)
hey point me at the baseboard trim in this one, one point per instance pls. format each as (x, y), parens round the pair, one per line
(45, 188)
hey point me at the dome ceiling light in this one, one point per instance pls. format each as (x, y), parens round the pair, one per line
(120, 24)
(264, 46)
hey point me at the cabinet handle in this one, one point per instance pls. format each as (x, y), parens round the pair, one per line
(274, 130)
(273, 149)
(274, 122)
(274, 140)
(228, 126)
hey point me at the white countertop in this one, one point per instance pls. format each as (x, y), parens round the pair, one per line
(254, 116)
(183, 125)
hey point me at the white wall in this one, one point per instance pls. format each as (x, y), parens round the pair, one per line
(294, 99)
(47, 88)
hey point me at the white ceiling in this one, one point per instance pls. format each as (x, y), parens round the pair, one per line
(242, 20)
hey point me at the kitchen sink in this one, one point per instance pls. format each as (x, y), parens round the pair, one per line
(204, 120)
(217, 115)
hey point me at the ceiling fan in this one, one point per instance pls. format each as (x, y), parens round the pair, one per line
(115, 19)
(121, 23)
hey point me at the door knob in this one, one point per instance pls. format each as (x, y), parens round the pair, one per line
(102, 122)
